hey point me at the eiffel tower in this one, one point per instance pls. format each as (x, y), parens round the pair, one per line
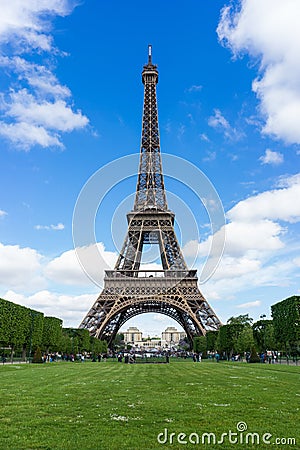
(128, 290)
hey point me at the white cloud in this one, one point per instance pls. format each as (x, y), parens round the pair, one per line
(25, 135)
(204, 137)
(278, 204)
(220, 123)
(233, 157)
(3, 213)
(273, 158)
(269, 31)
(287, 181)
(25, 277)
(241, 239)
(236, 267)
(25, 270)
(194, 88)
(24, 24)
(263, 235)
(211, 156)
(34, 106)
(37, 76)
(181, 131)
(160, 318)
(218, 120)
(296, 261)
(265, 274)
(35, 121)
(20, 268)
(55, 115)
(258, 246)
(58, 227)
(66, 268)
(254, 304)
(70, 308)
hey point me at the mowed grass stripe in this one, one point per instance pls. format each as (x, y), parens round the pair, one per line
(117, 406)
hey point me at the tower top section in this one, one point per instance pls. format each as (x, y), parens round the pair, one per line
(150, 72)
(150, 190)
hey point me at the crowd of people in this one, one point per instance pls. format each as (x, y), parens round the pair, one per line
(267, 357)
(72, 357)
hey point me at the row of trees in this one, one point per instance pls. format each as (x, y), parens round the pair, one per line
(23, 330)
(241, 335)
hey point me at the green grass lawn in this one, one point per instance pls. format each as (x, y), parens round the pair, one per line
(113, 406)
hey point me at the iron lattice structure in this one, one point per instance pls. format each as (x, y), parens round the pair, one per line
(129, 291)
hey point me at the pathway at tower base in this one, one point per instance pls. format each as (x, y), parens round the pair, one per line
(129, 291)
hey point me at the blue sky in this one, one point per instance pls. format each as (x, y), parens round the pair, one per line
(71, 103)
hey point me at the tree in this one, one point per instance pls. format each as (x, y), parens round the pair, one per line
(184, 344)
(224, 340)
(118, 342)
(269, 337)
(98, 346)
(242, 320)
(286, 319)
(263, 332)
(199, 344)
(80, 339)
(14, 324)
(254, 358)
(211, 339)
(245, 340)
(66, 343)
(24, 329)
(37, 357)
(34, 332)
(84, 340)
(5, 314)
(233, 337)
(52, 334)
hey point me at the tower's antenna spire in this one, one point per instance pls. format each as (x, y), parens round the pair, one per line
(149, 54)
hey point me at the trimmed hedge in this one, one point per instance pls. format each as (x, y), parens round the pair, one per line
(27, 332)
(286, 319)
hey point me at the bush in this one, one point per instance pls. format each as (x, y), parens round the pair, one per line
(37, 357)
(254, 358)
